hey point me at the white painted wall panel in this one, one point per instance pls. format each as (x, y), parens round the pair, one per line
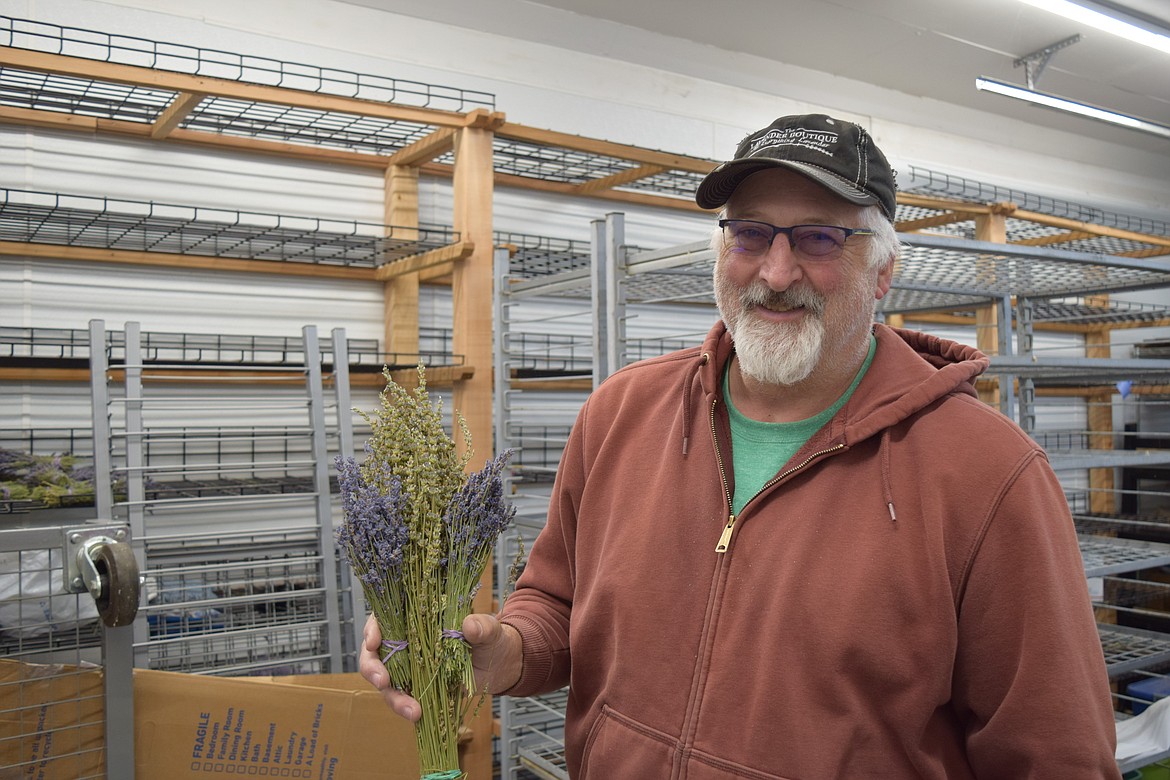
(56, 294)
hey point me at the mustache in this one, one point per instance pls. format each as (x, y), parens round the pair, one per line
(759, 294)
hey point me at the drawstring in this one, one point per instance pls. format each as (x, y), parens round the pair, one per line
(689, 380)
(887, 491)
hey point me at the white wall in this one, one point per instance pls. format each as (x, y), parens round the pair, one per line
(559, 70)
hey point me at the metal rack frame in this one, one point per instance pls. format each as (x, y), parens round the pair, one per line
(529, 726)
(66, 675)
(239, 596)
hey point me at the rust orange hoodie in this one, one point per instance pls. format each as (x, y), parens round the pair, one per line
(905, 600)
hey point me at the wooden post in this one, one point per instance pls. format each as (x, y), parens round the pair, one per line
(1102, 487)
(991, 227)
(472, 338)
(401, 293)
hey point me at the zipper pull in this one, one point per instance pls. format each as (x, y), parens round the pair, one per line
(725, 537)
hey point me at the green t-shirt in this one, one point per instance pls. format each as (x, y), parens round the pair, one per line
(760, 449)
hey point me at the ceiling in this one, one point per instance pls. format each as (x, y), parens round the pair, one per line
(923, 48)
(933, 49)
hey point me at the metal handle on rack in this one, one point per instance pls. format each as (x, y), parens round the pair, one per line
(106, 567)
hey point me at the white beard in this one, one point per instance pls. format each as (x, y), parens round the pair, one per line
(771, 353)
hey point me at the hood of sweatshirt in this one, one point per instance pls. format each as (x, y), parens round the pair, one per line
(913, 371)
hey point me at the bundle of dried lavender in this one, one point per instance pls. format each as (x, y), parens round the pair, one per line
(418, 532)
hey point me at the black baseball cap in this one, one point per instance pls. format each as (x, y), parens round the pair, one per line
(834, 153)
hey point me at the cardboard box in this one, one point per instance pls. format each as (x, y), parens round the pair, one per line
(188, 726)
(52, 721)
(200, 727)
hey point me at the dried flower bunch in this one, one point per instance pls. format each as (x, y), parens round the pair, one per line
(418, 533)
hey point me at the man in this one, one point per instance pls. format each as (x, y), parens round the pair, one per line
(804, 549)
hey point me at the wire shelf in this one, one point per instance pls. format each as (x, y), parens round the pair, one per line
(1104, 555)
(1130, 649)
(293, 124)
(233, 603)
(542, 255)
(142, 226)
(537, 737)
(525, 159)
(1080, 311)
(925, 181)
(53, 344)
(933, 274)
(215, 63)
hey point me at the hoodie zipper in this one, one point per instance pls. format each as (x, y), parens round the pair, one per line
(725, 536)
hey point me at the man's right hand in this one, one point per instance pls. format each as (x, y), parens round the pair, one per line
(496, 656)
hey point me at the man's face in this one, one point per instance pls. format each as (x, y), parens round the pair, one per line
(789, 313)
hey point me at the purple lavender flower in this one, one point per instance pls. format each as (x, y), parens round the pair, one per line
(374, 532)
(477, 513)
(83, 473)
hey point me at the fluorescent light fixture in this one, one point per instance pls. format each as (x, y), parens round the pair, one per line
(1072, 106)
(1088, 13)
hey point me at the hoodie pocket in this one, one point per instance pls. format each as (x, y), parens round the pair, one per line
(619, 747)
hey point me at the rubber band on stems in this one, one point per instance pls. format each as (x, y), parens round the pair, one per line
(394, 645)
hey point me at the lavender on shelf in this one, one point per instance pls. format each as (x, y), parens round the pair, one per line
(418, 533)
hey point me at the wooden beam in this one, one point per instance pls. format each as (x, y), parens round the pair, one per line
(1154, 390)
(608, 148)
(437, 376)
(618, 179)
(171, 260)
(437, 275)
(444, 255)
(1152, 252)
(639, 198)
(424, 149)
(553, 384)
(1099, 416)
(1055, 238)
(484, 119)
(991, 226)
(471, 292)
(1095, 230)
(317, 154)
(400, 319)
(179, 109)
(54, 120)
(13, 374)
(945, 218)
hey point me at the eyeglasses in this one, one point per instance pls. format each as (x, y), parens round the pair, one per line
(819, 241)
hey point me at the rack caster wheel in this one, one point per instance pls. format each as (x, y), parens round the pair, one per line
(109, 572)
